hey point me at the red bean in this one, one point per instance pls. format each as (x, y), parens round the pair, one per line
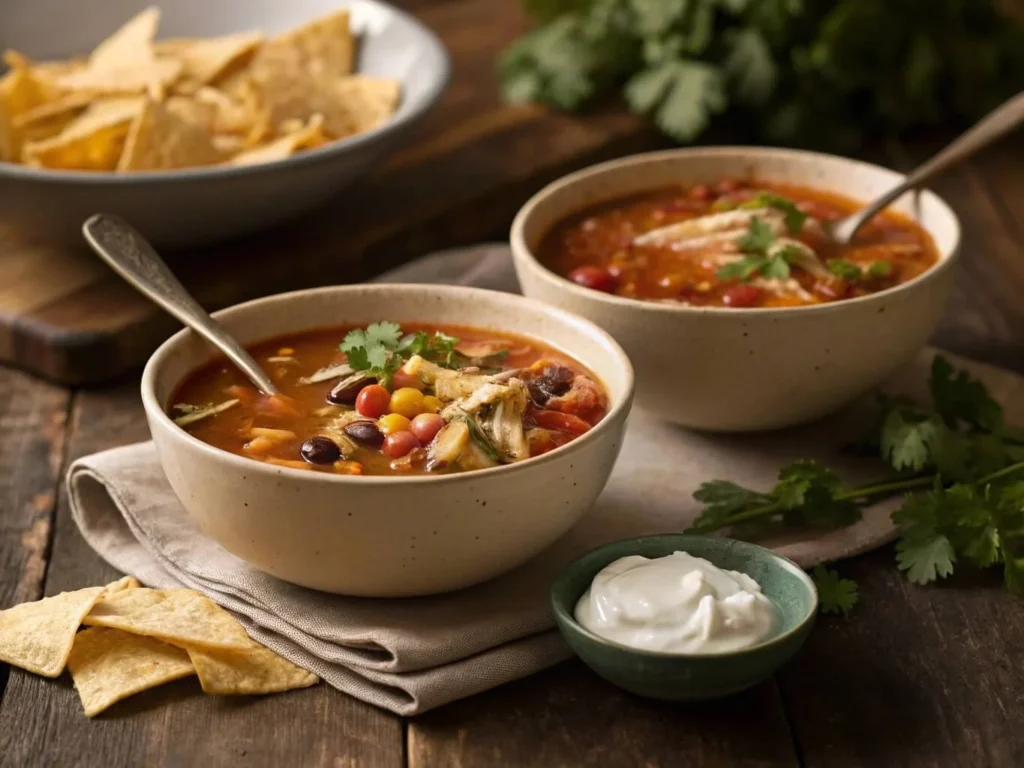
(397, 444)
(595, 278)
(700, 192)
(372, 401)
(743, 295)
(425, 426)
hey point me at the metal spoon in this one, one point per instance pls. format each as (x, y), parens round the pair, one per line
(997, 123)
(134, 259)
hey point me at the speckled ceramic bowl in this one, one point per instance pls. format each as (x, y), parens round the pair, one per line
(746, 369)
(691, 677)
(388, 536)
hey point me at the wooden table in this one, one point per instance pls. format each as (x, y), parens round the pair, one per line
(916, 677)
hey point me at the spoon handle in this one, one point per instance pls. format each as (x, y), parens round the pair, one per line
(134, 259)
(998, 122)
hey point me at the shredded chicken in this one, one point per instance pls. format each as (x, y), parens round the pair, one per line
(715, 228)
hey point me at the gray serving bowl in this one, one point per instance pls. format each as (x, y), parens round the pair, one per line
(198, 206)
(680, 676)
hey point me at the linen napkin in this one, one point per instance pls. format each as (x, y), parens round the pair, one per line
(410, 655)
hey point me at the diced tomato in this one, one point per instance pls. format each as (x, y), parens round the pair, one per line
(585, 399)
(560, 422)
(276, 406)
(832, 289)
(743, 295)
(242, 392)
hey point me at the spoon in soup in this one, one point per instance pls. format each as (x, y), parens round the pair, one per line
(133, 258)
(997, 123)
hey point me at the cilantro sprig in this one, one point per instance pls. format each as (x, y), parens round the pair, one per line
(757, 244)
(958, 464)
(789, 72)
(835, 594)
(847, 270)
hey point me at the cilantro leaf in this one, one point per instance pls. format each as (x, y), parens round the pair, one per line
(776, 268)
(681, 95)
(758, 237)
(835, 594)
(358, 358)
(925, 555)
(722, 498)
(353, 340)
(749, 66)
(844, 269)
(385, 333)
(906, 442)
(880, 270)
(797, 478)
(744, 269)
(794, 217)
(959, 397)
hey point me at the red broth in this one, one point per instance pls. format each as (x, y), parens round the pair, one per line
(596, 248)
(422, 422)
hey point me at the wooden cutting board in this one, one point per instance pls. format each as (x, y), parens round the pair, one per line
(472, 163)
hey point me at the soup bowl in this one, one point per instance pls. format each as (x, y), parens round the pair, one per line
(388, 536)
(730, 369)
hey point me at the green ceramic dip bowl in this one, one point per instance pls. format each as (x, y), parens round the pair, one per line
(691, 677)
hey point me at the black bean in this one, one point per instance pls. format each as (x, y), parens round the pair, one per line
(320, 450)
(345, 391)
(553, 381)
(365, 432)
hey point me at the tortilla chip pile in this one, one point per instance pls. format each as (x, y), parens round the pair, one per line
(140, 104)
(139, 638)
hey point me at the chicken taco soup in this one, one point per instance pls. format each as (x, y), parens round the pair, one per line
(734, 243)
(388, 400)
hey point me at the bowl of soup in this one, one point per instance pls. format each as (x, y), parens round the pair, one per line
(425, 438)
(711, 267)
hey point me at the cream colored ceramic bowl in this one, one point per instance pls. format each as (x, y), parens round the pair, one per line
(388, 536)
(746, 369)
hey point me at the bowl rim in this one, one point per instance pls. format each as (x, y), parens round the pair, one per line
(432, 45)
(618, 409)
(566, 617)
(523, 254)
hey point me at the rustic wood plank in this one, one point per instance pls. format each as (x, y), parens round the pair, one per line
(32, 421)
(568, 716)
(41, 721)
(916, 676)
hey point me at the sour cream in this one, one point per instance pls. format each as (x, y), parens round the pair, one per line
(676, 604)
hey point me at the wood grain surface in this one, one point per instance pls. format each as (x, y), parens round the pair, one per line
(473, 162)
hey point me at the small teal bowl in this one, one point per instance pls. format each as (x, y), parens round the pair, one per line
(690, 677)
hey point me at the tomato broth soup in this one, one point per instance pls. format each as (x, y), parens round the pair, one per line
(387, 400)
(734, 243)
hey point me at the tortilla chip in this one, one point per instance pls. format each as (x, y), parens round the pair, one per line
(20, 92)
(368, 101)
(129, 46)
(228, 144)
(252, 671)
(152, 77)
(108, 665)
(198, 113)
(38, 636)
(305, 137)
(160, 139)
(177, 616)
(65, 105)
(204, 60)
(232, 114)
(322, 48)
(92, 142)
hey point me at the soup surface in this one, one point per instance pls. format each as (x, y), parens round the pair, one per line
(394, 400)
(736, 243)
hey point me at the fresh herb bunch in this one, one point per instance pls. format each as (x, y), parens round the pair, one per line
(961, 464)
(803, 72)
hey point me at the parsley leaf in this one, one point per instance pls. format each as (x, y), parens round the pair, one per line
(835, 594)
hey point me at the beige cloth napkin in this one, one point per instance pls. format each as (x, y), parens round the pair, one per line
(411, 655)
